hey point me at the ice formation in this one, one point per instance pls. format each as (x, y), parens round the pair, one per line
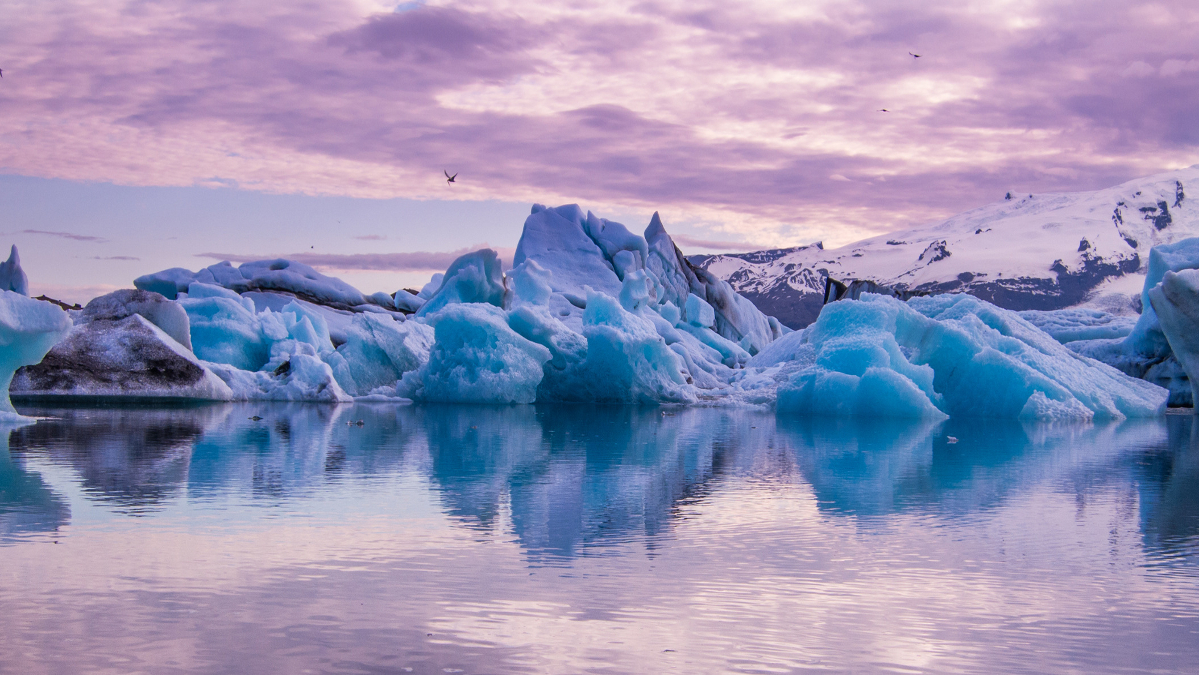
(268, 276)
(28, 329)
(1080, 323)
(1175, 301)
(945, 355)
(1146, 353)
(127, 357)
(593, 312)
(12, 277)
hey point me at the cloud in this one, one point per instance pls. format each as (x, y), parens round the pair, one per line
(420, 261)
(371, 237)
(734, 114)
(67, 235)
(717, 245)
(115, 257)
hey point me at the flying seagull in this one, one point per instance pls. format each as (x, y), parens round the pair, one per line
(449, 178)
(915, 56)
(883, 110)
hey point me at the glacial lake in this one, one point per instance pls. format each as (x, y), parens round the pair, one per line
(590, 539)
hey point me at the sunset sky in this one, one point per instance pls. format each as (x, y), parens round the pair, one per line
(139, 135)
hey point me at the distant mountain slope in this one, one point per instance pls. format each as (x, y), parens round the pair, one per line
(1044, 251)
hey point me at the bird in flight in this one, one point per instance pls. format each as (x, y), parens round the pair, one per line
(884, 110)
(915, 56)
(449, 178)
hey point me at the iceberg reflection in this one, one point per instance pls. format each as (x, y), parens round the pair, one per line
(566, 480)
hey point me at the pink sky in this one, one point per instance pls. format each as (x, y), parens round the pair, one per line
(750, 121)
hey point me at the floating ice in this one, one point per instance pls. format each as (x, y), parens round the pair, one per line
(12, 277)
(1146, 352)
(1175, 301)
(477, 358)
(950, 354)
(169, 316)
(1080, 323)
(123, 357)
(474, 277)
(271, 276)
(28, 329)
(378, 351)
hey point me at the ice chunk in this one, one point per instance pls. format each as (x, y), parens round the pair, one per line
(699, 312)
(28, 329)
(12, 277)
(960, 355)
(124, 357)
(477, 358)
(167, 315)
(626, 251)
(1145, 352)
(432, 287)
(378, 351)
(627, 360)
(304, 378)
(1080, 323)
(475, 277)
(556, 239)
(407, 302)
(168, 283)
(1175, 301)
(563, 374)
(530, 284)
(223, 330)
(279, 276)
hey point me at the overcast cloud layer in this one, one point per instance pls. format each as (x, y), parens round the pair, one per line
(760, 119)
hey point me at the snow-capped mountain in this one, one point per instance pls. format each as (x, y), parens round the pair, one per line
(1027, 251)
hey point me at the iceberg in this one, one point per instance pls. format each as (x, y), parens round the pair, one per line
(28, 329)
(12, 277)
(126, 357)
(949, 355)
(170, 317)
(477, 358)
(378, 351)
(1175, 301)
(1080, 323)
(1146, 352)
(280, 276)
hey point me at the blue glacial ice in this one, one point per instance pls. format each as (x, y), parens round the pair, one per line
(1146, 352)
(944, 355)
(28, 329)
(594, 312)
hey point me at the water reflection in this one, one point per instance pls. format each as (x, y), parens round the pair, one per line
(566, 480)
(27, 504)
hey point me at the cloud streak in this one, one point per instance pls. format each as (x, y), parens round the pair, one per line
(417, 261)
(67, 235)
(761, 116)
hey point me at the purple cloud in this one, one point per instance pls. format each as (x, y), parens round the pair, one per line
(67, 235)
(737, 114)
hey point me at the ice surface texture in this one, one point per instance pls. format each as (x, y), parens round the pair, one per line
(28, 329)
(12, 277)
(948, 355)
(1146, 352)
(1175, 301)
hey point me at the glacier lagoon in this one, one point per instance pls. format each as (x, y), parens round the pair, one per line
(572, 539)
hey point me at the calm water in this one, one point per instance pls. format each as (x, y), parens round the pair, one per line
(591, 539)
